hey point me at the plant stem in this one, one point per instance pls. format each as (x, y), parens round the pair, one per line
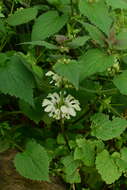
(73, 187)
(12, 7)
(64, 135)
(72, 8)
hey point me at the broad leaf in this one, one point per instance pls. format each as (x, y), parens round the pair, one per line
(105, 129)
(107, 167)
(85, 152)
(97, 13)
(120, 82)
(33, 163)
(70, 71)
(117, 4)
(94, 61)
(22, 16)
(94, 33)
(48, 24)
(17, 80)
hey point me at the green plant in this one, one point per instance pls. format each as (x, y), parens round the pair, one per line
(63, 89)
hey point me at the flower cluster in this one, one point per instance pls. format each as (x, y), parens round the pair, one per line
(61, 107)
(115, 68)
(58, 80)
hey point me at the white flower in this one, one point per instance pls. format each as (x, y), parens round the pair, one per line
(61, 107)
(58, 80)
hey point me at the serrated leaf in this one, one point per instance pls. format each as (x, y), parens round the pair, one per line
(117, 4)
(85, 152)
(48, 24)
(107, 167)
(16, 80)
(70, 71)
(94, 61)
(97, 13)
(105, 129)
(71, 170)
(94, 33)
(121, 161)
(120, 82)
(22, 16)
(33, 163)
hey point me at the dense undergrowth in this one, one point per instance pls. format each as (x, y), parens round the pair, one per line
(63, 90)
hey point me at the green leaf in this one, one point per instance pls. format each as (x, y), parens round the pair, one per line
(17, 80)
(94, 33)
(121, 40)
(124, 154)
(85, 152)
(22, 16)
(33, 163)
(47, 25)
(41, 43)
(117, 4)
(107, 167)
(70, 71)
(105, 129)
(34, 113)
(71, 170)
(97, 13)
(3, 59)
(94, 61)
(78, 42)
(120, 82)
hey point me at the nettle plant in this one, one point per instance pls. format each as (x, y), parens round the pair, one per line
(63, 90)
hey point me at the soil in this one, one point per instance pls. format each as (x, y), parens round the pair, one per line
(11, 180)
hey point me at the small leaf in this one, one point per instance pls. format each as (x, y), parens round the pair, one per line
(48, 24)
(97, 13)
(33, 163)
(120, 82)
(71, 170)
(78, 42)
(107, 167)
(22, 16)
(105, 129)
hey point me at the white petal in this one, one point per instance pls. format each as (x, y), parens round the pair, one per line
(64, 109)
(77, 107)
(71, 111)
(46, 102)
(49, 73)
(48, 108)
